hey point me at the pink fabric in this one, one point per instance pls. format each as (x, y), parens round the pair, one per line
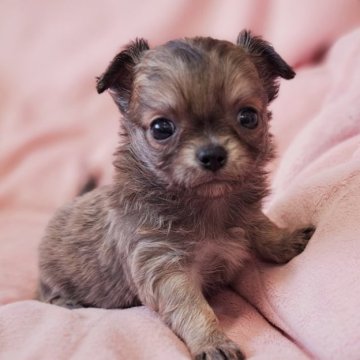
(55, 131)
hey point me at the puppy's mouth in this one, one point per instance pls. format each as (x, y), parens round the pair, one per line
(214, 188)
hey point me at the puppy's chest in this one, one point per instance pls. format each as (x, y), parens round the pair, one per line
(216, 261)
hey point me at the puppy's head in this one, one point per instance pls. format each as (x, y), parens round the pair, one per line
(195, 110)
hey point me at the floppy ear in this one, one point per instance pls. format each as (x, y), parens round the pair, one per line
(268, 62)
(119, 75)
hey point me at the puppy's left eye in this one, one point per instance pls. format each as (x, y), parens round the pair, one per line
(248, 118)
(162, 128)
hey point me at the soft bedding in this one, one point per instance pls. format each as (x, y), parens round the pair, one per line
(56, 133)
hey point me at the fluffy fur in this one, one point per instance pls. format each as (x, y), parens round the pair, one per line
(167, 233)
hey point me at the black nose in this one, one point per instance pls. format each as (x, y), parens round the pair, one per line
(212, 157)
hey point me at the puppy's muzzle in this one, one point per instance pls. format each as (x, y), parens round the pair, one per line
(212, 157)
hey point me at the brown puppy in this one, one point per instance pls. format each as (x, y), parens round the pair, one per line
(184, 211)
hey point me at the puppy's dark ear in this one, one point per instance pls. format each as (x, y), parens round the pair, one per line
(268, 62)
(119, 75)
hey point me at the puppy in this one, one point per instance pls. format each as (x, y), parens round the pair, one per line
(184, 210)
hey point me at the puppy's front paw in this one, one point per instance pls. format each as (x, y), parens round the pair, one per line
(307, 233)
(300, 238)
(290, 245)
(297, 243)
(225, 350)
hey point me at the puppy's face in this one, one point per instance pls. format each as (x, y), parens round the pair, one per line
(196, 114)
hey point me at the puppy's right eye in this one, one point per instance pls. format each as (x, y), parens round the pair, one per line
(162, 128)
(248, 118)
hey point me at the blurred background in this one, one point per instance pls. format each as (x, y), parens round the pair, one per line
(55, 130)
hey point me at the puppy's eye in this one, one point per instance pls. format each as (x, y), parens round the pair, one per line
(162, 128)
(248, 118)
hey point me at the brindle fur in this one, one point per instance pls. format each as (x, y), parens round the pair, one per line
(162, 234)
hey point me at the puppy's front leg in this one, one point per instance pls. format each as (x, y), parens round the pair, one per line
(165, 285)
(275, 244)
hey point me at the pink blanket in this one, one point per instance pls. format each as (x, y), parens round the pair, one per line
(55, 132)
